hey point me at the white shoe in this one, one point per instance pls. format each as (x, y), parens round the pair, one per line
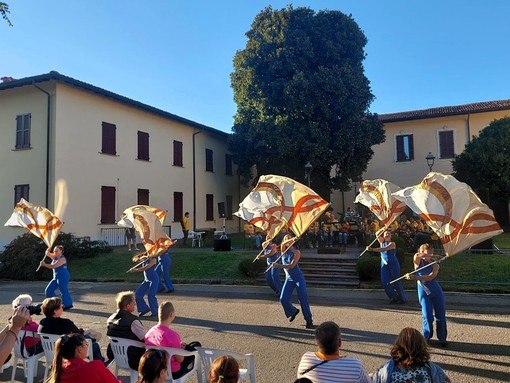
(129, 249)
(136, 248)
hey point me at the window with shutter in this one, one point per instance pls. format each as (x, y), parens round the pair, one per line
(143, 146)
(23, 124)
(178, 206)
(209, 207)
(143, 196)
(228, 207)
(107, 204)
(446, 144)
(21, 191)
(209, 160)
(228, 164)
(109, 144)
(405, 148)
(178, 153)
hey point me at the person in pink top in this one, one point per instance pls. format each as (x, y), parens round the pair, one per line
(163, 336)
(70, 364)
(32, 344)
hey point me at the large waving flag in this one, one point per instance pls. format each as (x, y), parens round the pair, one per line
(377, 196)
(452, 210)
(148, 223)
(279, 202)
(36, 219)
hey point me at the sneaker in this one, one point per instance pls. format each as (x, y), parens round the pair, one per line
(136, 248)
(129, 249)
(443, 344)
(141, 314)
(310, 325)
(294, 315)
(67, 308)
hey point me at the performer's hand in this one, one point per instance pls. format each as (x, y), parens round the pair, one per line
(42, 264)
(368, 248)
(408, 276)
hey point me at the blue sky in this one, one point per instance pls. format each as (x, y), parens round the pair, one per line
(177, 55)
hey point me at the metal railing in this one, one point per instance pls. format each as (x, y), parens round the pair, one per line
(116, 236)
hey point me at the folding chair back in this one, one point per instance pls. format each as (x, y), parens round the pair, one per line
(180, 352)
(208, 355)
(119, 349)
(21, 353)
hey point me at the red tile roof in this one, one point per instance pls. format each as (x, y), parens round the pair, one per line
(443, 111)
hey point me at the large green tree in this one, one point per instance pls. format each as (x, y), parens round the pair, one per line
(485, 164)
(301, 96)
(4, 10)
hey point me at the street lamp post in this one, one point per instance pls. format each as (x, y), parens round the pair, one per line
(430, 160)
(308, 171)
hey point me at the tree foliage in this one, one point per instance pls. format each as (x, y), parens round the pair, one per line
(4, 10)
(302, 96)
(485, 163)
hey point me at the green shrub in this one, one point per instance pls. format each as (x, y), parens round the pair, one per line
(369, 267)
(21, 257)
(252, 269)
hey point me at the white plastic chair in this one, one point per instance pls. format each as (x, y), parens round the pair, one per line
(208, 355)
(29, 362)
(119, 349)
(180, 352)
(196, 239)
(48, 344)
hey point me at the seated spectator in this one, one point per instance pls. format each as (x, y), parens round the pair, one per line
(9, 334)
(326, 364)
(162, 335)
(153, 366)
(32, 344)
(70, 364)
(123, 324)
(303, 380)
(54, 324)
(224, 369)
(410, 361)
(253, 233)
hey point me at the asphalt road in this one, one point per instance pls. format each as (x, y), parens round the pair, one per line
(250, 319)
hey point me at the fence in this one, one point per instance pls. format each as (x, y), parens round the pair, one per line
(116, 236)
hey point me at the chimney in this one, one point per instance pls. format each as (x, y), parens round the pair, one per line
(7, 79)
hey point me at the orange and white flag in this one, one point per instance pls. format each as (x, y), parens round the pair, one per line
(279, 202)
(377, 196)
(452, 210)
(148, 223)
(36, 219)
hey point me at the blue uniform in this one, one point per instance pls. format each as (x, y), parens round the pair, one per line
(149, 286)
(163, 271)
(273, 275)
(431, 299)
(294, 278)
(390, 270)
(60, 280)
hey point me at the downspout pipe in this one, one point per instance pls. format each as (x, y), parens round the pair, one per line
(48, 129)
(194, 183)
(468, 129)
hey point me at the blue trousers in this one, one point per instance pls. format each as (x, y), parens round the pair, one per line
(433, 304)
(149, 287)
(390, 272)
(285, 298)
(163, 271)
(60, 281)
(273, 279)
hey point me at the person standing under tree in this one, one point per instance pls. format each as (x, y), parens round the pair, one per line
(185, 227)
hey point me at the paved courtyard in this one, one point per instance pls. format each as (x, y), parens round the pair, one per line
(250, 319)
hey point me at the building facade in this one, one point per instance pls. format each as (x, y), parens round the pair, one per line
(87, 154)
(411, 136)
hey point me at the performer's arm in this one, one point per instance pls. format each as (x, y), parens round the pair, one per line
(424, 278)
(60, 262)
(390, 246)
(295, 260)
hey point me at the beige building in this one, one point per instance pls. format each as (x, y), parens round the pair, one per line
(411, 136)
(87, 154)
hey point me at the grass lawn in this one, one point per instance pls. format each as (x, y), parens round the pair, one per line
(209, 265)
